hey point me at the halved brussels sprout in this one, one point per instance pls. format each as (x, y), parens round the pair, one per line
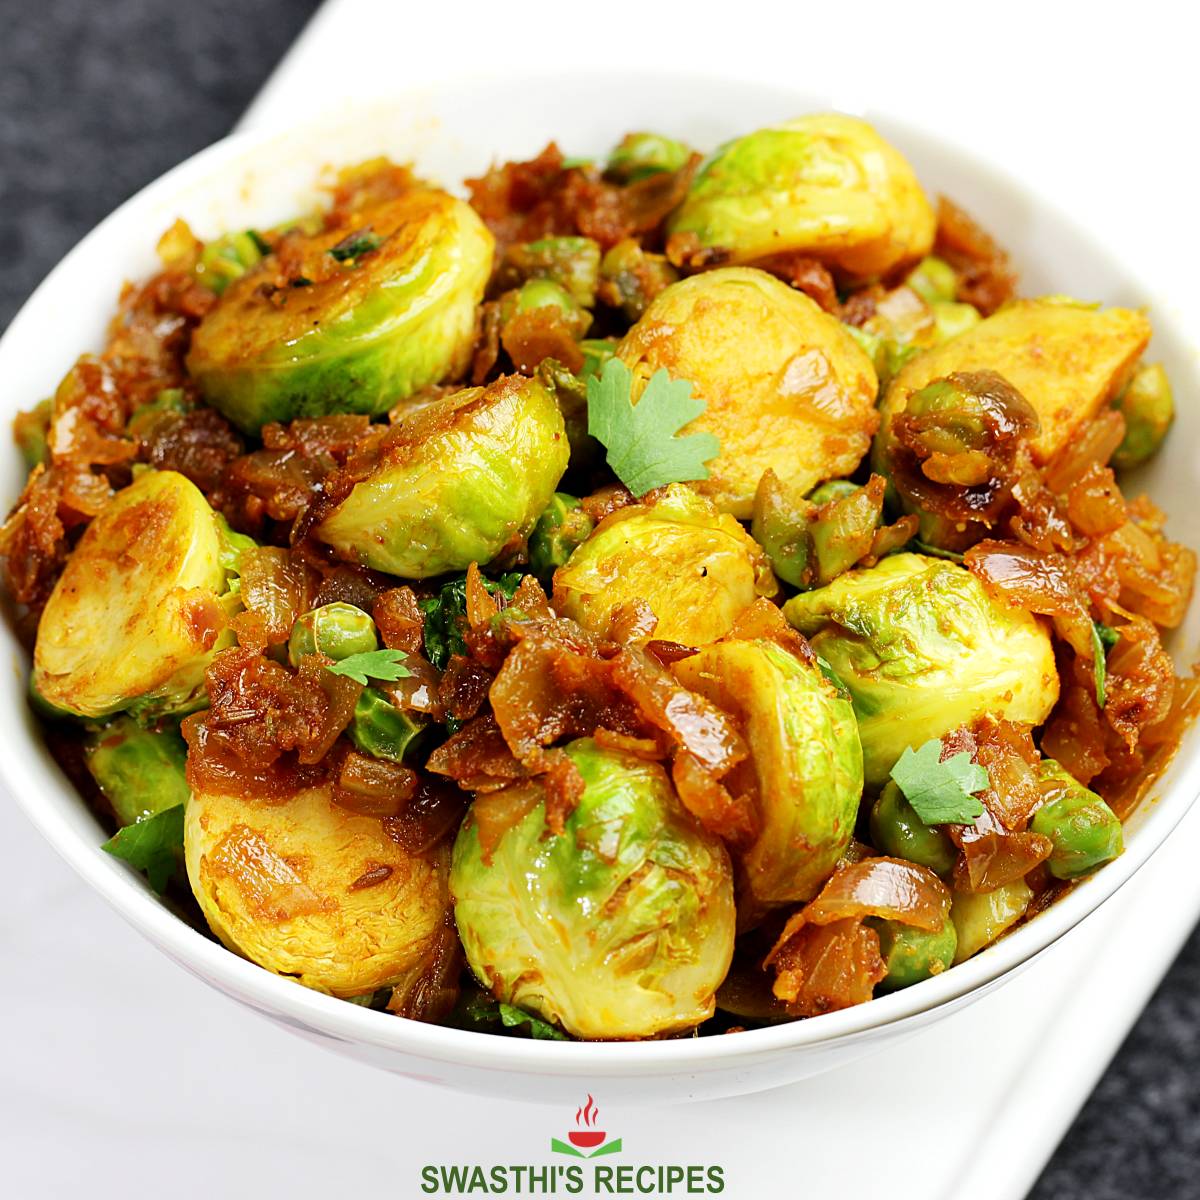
(807, 761)
(138, 611)
(1086, 833)
(620, 927)
(361, 317)
(786, 386)
(456, 482)
(140, 772)
(825, 185)
(696, 569)
(924, 649)
(308, 889)
(981, 917)
(1068, 360)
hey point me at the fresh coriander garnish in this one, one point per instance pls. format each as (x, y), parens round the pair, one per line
(356, 244)
(153, 845)
(941, 793)
(640, 439)
(372, 664)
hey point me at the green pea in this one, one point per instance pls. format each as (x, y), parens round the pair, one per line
(897, 830)
(380, 729)
(337, 630)
(545, 293)
(562, 527)
(1084, 830)
(912, 954)
(573, 262)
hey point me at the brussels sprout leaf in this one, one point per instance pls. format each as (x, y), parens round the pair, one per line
(941, 793)
(641, 440)
(1099, 664)
(152, 845)
(371, 664)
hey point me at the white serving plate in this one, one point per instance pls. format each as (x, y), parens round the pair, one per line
(451, 132)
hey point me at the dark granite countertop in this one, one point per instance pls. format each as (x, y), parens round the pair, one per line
(98, 98)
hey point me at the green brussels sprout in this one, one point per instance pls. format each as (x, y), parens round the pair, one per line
(897, 830)
(30, 430)
(911, 954)
(559, 530)
(228, 258)
(545, 293)
(639, 155)
(924, 649)
(621, 926)
(934, 280)
(455, 483)
(825, 185)
(1085, 831)
(630, 277)
(806, 757)
(1148, 408)
(348, 332)
(311, 890)
(571, 262)
(785, 386)
(697, 569)
(380, 729)
(140, 608)
(981, 917)
(336, 630)
(140, 772)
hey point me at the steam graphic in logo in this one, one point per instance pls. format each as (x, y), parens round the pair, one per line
(586, 1141)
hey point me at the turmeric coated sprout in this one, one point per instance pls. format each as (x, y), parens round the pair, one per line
(621, 926)
(924, 649)
(806, 756)
(141, 606)
(362, 316)
(455, 483)
(786, 387)
(309, 889)
(826, 185)
(695, 569)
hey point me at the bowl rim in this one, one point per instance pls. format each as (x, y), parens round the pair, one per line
(318, 1013)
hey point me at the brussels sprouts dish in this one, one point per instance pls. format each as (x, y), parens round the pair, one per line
(618, 599)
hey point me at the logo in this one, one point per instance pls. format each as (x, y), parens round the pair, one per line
(586, 1141)
(561, 1178)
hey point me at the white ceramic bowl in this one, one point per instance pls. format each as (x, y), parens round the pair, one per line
(257, 179)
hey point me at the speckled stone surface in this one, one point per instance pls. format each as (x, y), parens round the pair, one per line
(98, 97)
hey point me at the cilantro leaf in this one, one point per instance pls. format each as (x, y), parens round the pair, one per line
(1107, 634)
(1099, 665)
(641, 440)
(153, 845)
(480, 1011)
(941, 793)
(373, 664)
(446, 613)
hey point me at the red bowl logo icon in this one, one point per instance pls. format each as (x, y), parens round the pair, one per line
(586, 1139)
